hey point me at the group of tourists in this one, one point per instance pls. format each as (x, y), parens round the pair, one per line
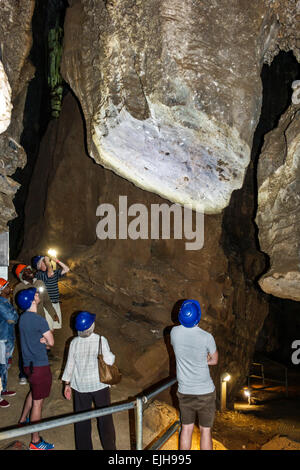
(35, 313)
(31, 318)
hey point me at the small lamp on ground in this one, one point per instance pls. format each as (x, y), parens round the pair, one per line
(247, 394)
(224, 379)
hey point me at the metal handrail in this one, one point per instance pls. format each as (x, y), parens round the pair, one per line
(137, 404)
(56, 422)
(158, 390)
(139, 414)
(169, 432)
(264, 378)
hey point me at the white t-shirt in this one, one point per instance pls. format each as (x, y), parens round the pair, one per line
(191, 346)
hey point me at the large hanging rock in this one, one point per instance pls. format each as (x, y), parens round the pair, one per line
(171, 92)
(278, 212)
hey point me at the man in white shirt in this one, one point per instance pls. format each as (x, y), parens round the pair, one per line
(195, 350)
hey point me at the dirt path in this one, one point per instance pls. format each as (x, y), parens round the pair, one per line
(273, 417)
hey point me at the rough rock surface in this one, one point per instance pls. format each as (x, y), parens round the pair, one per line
(281, 443)
(171, 98)
(134, 285)
(279, 206)
(171, 95)
(287, 13)
(15, 40)
(5, 100)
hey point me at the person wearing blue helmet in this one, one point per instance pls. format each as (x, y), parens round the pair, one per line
(8, 319)
(35, 336)
(195, 350)
(81, 377)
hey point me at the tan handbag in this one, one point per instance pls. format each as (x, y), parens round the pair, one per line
(109, 375)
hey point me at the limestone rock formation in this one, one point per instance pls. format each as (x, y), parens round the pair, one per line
(279, 206)
(5, 100)
(287, 14)
(15, 40)
(171, 95)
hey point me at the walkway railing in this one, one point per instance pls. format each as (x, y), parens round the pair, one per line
(136, 404)
(268, 379)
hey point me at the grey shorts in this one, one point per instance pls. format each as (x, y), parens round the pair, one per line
(203, 406)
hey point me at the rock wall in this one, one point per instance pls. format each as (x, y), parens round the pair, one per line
(278, 206)
(135, 285)
(170, 98)
(5, 100)
(15, 40)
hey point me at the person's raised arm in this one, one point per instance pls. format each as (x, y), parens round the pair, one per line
(65, 268)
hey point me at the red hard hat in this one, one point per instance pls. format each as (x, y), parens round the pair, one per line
(19, 269)
(3, 283)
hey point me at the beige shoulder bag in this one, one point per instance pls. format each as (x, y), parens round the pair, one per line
(108, 374)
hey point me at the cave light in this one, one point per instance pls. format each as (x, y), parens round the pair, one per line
(52, 253)
(225, 377)
(247, 393)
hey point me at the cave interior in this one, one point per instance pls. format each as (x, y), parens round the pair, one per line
(128, 300)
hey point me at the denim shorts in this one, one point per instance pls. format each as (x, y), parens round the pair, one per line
(203, 406)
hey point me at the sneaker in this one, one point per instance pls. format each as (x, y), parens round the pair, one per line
(4, 404)
(23, 381)
(8, 393)
(41, 445)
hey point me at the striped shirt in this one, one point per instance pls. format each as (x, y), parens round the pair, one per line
(82, 365)
(51, 283)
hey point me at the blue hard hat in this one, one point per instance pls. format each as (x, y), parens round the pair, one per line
(189, 313)
(24, 298)
(84, 320)
(35, 261)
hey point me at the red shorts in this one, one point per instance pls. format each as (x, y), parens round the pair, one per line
(40, 381)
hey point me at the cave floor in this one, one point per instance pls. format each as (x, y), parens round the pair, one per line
(273, 420)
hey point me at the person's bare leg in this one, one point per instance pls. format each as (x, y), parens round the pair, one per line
(36, 414)
(205, 439)
(185, 440)
(26, 408)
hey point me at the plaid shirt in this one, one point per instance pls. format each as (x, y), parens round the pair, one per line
(82, 365)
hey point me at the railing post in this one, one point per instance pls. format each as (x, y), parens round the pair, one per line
(139, 423)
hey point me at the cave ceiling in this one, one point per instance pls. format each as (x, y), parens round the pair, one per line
(171, 98)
